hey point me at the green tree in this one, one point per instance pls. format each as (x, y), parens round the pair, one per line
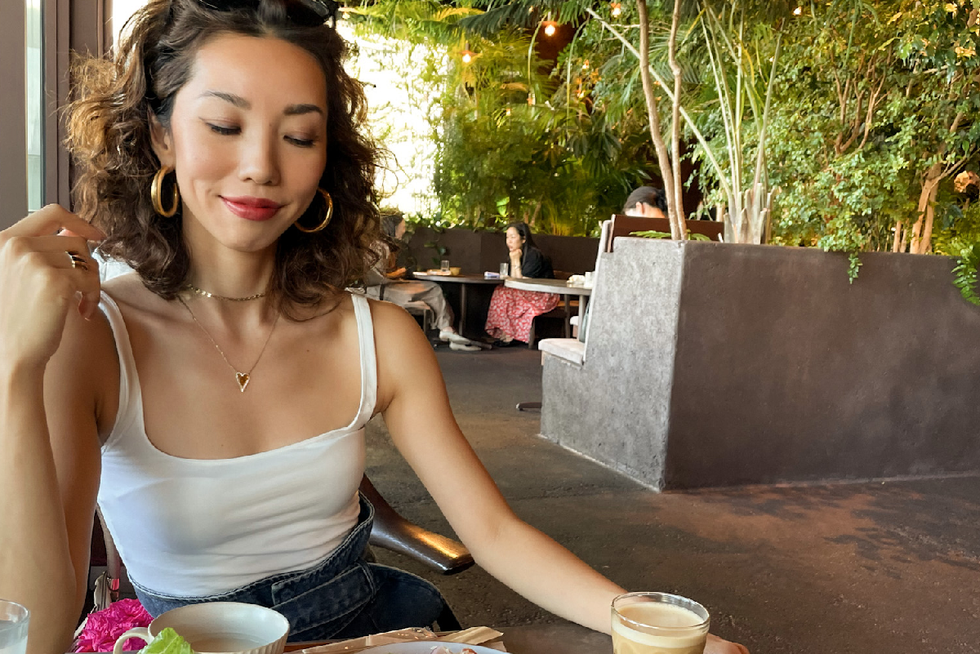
(876, 109)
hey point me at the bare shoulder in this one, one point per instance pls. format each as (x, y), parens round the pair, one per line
(130, 294)
(404, 354)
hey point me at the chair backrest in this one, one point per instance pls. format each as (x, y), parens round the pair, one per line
(626, 225)
(605, 245)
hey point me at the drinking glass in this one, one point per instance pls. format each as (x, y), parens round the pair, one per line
(14, 619)
(504, 269)
(658, 623)
(444, 265)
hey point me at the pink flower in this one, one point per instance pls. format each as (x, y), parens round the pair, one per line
(102, 628)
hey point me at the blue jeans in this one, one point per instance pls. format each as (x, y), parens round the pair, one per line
(342, 596)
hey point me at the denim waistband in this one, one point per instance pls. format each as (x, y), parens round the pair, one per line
(324, 597)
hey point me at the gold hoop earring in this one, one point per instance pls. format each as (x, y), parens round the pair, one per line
(156, 193)
(326, 219)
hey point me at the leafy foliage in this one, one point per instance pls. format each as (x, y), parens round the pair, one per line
(866, 118)
(965, 274)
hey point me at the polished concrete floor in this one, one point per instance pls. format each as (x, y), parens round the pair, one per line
(882, 566)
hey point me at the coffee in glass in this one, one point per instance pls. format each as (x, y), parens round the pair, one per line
(658, 623)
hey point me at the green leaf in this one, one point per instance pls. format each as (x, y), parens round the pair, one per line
(965, 274)
(167, 641)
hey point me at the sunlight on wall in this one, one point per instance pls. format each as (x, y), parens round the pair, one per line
(122, 10)
(397, 117)
(399, 110)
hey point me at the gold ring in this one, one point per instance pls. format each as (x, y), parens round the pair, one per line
(77, 260)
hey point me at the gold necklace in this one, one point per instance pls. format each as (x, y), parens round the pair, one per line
(200, 291)
(241, 377)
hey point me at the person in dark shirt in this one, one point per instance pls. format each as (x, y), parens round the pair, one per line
(512, 310)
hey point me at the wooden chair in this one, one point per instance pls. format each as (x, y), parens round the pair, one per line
(390, 531)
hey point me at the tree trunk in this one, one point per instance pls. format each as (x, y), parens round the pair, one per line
(922, 232)
(663, 157)
(675, 131)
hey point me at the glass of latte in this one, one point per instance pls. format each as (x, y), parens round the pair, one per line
(658, 623)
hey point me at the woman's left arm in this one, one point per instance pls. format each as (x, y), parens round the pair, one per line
(412, 397)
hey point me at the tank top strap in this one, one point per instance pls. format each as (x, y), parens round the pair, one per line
(368, 357)
(130, 400)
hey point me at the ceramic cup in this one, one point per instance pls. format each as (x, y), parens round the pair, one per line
(219, 628)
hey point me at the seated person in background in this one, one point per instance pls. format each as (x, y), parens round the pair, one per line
(387, 278)
(646, 201)
(512, 310)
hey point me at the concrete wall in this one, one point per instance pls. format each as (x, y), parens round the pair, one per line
(713, 364)
(615, 408)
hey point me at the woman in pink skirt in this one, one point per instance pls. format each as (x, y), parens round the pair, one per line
(512, 310)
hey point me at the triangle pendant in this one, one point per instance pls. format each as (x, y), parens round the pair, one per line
(242, 379)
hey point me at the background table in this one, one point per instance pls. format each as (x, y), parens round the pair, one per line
(557, 286)
(463, 282)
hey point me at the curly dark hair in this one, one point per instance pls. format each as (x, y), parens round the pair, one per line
(109, 137)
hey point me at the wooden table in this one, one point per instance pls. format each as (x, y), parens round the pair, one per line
(557, 286)
(464, 282)
(564, 638)
(561, 638)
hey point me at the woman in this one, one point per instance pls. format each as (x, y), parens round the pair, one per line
(392, 286)
(512, 310)
(214, 402)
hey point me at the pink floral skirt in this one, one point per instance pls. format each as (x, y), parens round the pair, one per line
(512, 311)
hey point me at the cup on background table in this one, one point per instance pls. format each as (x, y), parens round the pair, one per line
(14, 620)
(658, 623)
(444, 265)
(504, 269)
(219, 627)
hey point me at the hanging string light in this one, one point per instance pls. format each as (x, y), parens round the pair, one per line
(615, 9)
(550, 27)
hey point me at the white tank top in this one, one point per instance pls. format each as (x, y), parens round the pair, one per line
(193, 527)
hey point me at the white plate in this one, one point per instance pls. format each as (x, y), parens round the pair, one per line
(426, 647)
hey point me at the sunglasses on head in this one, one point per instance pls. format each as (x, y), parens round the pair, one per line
(308, 13)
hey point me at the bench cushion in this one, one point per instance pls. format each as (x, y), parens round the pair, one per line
(567, 349)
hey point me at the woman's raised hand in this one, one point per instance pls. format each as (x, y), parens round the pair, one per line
(45, 270)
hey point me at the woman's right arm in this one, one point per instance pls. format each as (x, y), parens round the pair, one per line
(49, 447)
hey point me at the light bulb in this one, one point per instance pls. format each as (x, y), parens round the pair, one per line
(549, 29)
(617, 9)
(798, 11)
(467, 57)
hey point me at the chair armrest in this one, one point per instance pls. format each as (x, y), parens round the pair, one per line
(393, 532)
